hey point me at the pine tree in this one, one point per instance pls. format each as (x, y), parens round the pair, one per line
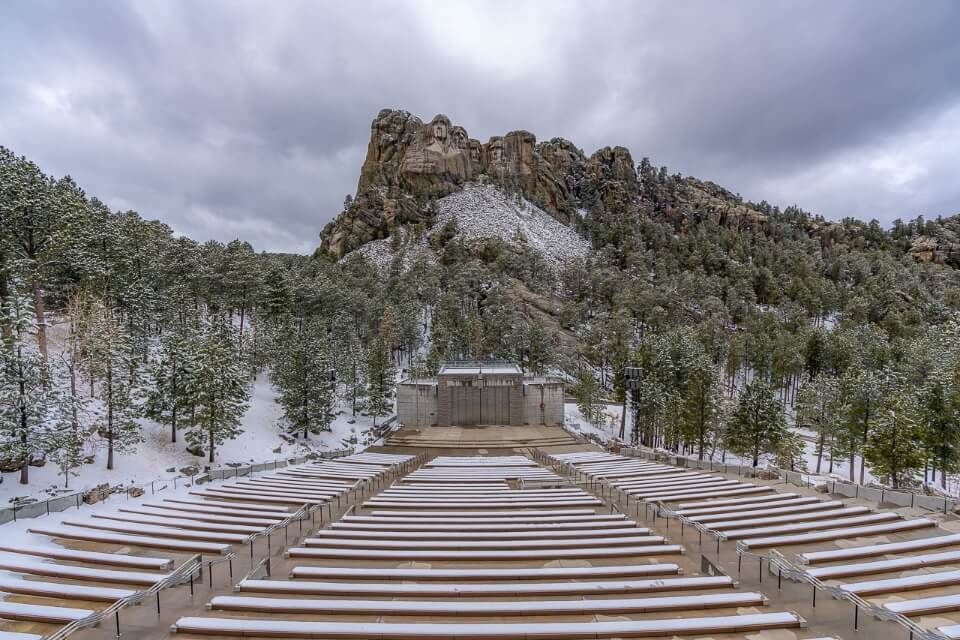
(172, 393)
(303, 373)
(380, 375)
(819, 406)
(701, 405)
(68, 436)
(24, 387)
(892, 447)
(221, 389)
(589, 397)
(116, 367)
(757, 426)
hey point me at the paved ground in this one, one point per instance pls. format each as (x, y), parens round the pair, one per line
(826, 617)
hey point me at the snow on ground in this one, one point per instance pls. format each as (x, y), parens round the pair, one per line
(259, 442)
(483, 211)
(608, 430)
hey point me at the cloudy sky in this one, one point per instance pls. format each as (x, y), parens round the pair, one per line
(250, 119)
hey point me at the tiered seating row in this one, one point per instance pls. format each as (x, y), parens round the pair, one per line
(222, 516)
(466, 510)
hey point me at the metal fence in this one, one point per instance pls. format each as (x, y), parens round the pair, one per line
(75, 500)
(897, 497)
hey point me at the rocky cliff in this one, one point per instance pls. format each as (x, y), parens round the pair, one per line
(410, 163)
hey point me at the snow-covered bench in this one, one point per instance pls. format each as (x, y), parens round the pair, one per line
(512, 555)
(570, 528)
(14, 635)
(253, 509)
(478, 515)
(456, 533)
(908, 583)
(518, 519)
(516, 496)
(749, 510)
(153, 530)
(922, 606)
(834, 555)
(675, 497)
(62, 590)
(600, 606)
(41, 613)
(182, 523)
(814, 525)
(800, 511)
(278, 491)
(836, 534)
(885, 566)
(91, 557)
(726, 502)
(761, 519)
(557, 630)
(72, 533)
(468, 543)
(504, 575)
(395, 504)
(219, 494)
(173, 512)
(478, 589)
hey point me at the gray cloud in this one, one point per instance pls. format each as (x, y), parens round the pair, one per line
(250, 119)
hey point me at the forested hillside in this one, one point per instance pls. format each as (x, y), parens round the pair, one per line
(109, 319)
(753, 327)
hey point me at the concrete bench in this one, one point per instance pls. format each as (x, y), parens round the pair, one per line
(837, 534)
(72, 572)
(506, 555)
(153, 530)
(63, 591)
(472, 590)
(555, 630)
(182, 523)
(909, 583)
(393, 504)
(798, 512)
(252, 509)
(72, 533)
(923, 606)
(505, 575)
(91, 557)
(41, 613)
(736, 501)
(489, 513)
(814, 525)
(464, 543)
(886, 566)
(551, 527)
(173, 512)
(600, 606)
(675, 497)
(222, 494)
(456, 533)
(749, 510)
(886, 548)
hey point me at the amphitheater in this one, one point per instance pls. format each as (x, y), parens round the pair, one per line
(484, 534)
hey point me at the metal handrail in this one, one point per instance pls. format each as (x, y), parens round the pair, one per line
(180, 575)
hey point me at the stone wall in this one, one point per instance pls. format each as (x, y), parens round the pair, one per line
(543, 403)
(416, 405)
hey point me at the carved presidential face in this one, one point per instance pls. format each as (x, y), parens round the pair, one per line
(440, 131)
(460, 137)
(496, 150)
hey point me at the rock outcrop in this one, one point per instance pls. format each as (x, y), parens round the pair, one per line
(410, 163)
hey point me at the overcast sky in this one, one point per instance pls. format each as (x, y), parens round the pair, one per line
(250, 119)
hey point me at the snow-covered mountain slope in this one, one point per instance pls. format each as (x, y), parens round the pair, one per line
(483, 211)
